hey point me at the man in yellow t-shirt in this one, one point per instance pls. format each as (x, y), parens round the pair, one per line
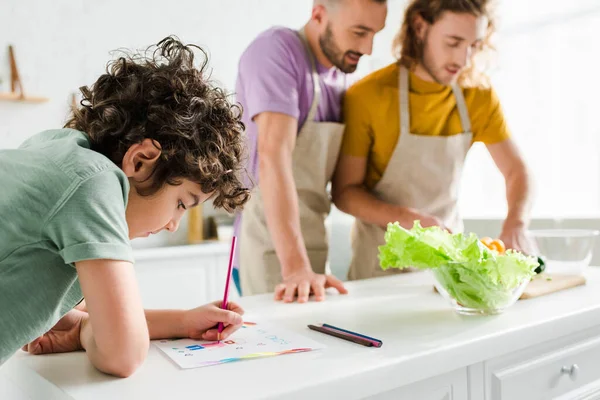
(410, 125)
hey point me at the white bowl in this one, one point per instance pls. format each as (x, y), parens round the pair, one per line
(565, 251)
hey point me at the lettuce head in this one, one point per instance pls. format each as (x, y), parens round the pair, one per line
(472, 274)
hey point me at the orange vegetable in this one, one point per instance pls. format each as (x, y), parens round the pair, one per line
(486, 240)
(497, 245)
(494, 244)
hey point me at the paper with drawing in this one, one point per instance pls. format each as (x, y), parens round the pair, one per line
(252, 340)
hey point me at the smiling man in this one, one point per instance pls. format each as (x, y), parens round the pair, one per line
(290, 84)
(410, 125)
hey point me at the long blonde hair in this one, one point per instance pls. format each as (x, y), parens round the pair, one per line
(408, 49)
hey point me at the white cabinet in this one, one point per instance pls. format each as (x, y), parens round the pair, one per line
(568, 368)
(564, 369)
(450, 386)
(183, 276)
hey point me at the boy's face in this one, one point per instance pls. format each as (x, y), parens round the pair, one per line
(163, 210)
(449, 43)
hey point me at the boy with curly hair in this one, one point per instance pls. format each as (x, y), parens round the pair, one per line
(152, 138)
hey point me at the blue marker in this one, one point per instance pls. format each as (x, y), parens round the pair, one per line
(352, 333)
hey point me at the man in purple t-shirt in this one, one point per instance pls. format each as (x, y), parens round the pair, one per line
(275, 86)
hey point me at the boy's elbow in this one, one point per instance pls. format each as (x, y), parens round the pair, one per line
(124, 362)
(122, 371)
(125, 366)
(126, 370)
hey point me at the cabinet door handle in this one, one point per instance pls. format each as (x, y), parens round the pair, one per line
(572, 371)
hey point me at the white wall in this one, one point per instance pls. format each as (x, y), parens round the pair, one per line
(545, 76)
(64, 44)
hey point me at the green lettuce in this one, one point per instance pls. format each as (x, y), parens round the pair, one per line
(473, 275)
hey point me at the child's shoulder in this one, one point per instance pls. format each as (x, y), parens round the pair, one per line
(68, 151)
(52, 136)
(56, 163)
(54, 171)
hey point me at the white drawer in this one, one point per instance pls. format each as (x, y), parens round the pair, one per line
(560, 368)
(449, 386)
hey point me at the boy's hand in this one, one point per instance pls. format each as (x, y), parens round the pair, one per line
(201, 322)
(63, 337)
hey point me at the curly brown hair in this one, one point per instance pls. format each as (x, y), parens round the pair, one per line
(161, 95)
(408, 50)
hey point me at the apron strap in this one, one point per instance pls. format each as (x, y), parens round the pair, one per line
(465, 121)
(404, 106)
(315, 78)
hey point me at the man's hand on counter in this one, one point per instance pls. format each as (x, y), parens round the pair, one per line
(407, 217)
(304, 282)
(515, 237)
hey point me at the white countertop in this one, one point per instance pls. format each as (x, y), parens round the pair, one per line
(422, 337)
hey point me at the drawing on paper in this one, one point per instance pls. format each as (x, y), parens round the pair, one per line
(252, 340)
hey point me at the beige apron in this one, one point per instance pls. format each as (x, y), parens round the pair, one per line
(423, 173)
(313, 161)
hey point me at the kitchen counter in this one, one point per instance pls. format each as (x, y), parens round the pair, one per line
(428, 351)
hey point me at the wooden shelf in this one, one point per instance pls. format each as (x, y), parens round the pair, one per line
(16, 86)
(13, 96)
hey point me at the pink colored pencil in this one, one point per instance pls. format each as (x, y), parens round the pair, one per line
(229, 269)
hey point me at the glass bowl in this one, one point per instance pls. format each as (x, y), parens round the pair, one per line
(565, 251)
(470, 294)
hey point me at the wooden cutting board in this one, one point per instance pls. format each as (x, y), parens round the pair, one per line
(543, 284)
(549, 283)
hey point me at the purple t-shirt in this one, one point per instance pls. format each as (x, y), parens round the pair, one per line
(275, 74)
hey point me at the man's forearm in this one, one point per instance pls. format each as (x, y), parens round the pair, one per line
(519, 197)
(360, 203)
(282, 214)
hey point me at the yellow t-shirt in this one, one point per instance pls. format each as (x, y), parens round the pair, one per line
(372, 116)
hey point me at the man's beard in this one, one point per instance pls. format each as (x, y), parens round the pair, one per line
(333, 52)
